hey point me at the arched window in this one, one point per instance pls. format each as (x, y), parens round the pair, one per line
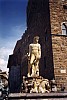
(64, 28)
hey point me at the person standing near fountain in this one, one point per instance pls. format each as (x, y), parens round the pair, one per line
(34, 57)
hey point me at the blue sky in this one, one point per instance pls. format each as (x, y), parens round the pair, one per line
(12, 26)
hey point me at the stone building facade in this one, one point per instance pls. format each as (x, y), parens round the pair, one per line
(48, 20)
(58, 17)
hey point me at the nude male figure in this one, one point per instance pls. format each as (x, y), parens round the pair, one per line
(34, 56)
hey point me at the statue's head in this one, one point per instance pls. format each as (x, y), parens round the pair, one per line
(36, 38)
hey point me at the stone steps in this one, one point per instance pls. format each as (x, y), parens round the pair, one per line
(41, 96)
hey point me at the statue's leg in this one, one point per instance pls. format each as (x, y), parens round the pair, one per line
(31, 64)
(37, 68)
(33, 70)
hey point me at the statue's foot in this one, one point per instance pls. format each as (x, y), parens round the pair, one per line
(28, 75)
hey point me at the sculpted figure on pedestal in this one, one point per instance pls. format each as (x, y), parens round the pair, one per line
(34, 57)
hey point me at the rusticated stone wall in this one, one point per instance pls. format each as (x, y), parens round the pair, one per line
(59, 45)
(58, 14)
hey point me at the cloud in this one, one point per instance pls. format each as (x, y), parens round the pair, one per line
(3, 64)
(18, 30)
(4, 54)
(7, 45)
